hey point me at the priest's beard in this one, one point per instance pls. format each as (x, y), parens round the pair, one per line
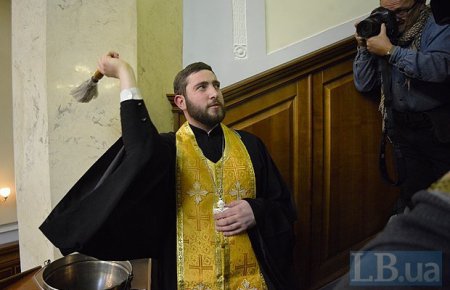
(203, 115)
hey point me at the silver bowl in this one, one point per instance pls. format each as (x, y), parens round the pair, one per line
(80, 272)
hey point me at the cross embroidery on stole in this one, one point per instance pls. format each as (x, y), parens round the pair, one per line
(198, 218)
(246, 265)
(200, 267)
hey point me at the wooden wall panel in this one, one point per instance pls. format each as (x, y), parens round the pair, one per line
(9, 260)
(351, 203)
(270, 118)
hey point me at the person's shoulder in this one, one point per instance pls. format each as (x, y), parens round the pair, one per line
(247, 135)
(432, 25)
(435, 36)
(250, 139)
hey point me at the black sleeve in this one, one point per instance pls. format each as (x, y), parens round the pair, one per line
(273, 206)
(273, 236)
(121, 208)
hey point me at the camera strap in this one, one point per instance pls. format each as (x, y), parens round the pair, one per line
(399, 161)
(388, 133)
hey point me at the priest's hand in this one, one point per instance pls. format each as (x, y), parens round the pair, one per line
(237, 218)
(112, 66)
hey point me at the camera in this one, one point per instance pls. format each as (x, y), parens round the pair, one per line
(371, 26)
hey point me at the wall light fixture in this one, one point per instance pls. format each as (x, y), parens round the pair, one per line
(4, 193)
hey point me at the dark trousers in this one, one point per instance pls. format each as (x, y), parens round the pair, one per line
(427, 158)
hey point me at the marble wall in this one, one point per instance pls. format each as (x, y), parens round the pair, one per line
(31, 125)
(77, 34)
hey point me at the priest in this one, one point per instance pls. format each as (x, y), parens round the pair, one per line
(206, 203)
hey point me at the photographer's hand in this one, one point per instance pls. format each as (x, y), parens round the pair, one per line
(360, 40)
(380, 44)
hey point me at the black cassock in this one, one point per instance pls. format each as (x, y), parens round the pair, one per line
(123, 207)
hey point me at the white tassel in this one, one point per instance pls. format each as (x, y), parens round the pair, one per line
(87, 91)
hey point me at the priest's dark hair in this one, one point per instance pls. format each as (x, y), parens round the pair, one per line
(180, 81)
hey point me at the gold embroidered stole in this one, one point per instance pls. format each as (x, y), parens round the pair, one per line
(205, 258)
(441, 186)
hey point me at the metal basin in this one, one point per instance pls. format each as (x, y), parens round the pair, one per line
(80, 272)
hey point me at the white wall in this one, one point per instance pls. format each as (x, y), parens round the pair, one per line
(272, 31)
(289, 22)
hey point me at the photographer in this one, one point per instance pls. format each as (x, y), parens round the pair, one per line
(425, 227)
(412, 70)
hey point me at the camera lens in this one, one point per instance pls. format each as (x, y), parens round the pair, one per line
(368, 28)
